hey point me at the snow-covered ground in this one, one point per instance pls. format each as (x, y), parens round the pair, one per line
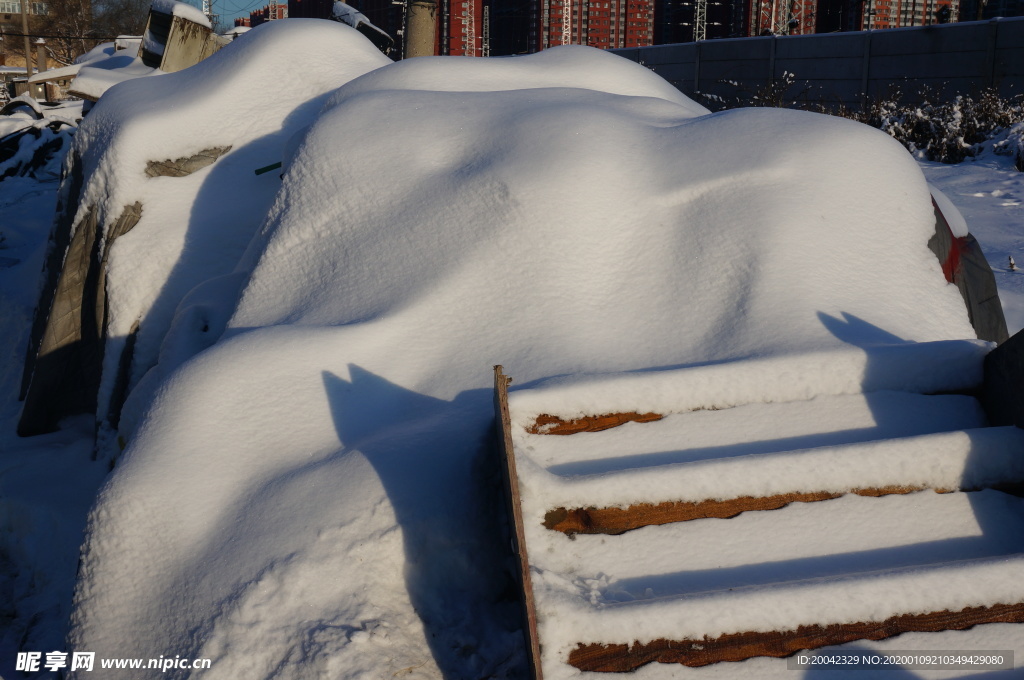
(307, 496)
(48, 483)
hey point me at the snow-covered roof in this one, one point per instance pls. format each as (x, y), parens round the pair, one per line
(101, 51)
(56, 73)
(181, 9)
(97, 76)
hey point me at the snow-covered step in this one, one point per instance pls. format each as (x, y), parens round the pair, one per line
(751, 429)
(623, 581)
(777, 620)
(843, 536)
(611, 503)
(761, 456)
(847, 569)
(584, 401)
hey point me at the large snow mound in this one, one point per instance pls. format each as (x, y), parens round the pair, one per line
(541, 228)
(563, 66)
(304, 498)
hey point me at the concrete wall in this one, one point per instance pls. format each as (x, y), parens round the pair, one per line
(848, 68)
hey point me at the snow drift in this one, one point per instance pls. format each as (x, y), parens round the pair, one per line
(304, 492)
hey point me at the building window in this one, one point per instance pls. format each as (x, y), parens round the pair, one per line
(40, 8)
(8, 7)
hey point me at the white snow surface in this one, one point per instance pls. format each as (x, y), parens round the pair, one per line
(101, 51)
(306, 495)
(955, 220)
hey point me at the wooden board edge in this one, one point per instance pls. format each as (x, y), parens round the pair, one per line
(511, 479)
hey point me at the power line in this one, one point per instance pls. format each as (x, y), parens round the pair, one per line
(65, 37)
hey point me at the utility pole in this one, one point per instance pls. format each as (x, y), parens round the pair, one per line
(485, 48)
(700, 21)
(208, 11)
(566, 22)
(24, 31)
(420, 27)
(40, 55)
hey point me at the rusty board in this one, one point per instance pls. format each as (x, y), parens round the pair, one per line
(620, 658)
(614, 521)
(548, 424)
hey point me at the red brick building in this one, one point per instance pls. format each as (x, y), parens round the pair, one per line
(462, 28)
(900, 13)
(598, 23)
(268, 13)
(782, 17)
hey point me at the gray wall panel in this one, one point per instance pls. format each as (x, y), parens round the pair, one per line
(821, 45)
(954, 58)
(931, 39)
(1011, 34)
(821, 69)
(962, 65)
(749, 48)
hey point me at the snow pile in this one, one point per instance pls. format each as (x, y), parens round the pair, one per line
(702, 231)
(307, 496)
(194, 227)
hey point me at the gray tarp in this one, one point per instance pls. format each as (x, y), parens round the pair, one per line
(64, 365)
(965, 265)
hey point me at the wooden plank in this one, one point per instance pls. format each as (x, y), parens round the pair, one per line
(620, 658)
(615, 521)
(511, 478)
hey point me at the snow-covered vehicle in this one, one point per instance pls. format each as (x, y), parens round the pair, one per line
(298, 366)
